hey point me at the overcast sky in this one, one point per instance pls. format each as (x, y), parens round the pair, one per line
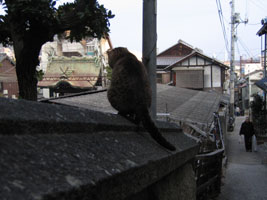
(195, 22)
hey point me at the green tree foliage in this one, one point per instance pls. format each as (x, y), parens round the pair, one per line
(39, 75)
(257, 105)
(109, 72)
(28, 24)
(258, 113)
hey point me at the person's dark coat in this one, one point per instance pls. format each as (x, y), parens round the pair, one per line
(247, 130)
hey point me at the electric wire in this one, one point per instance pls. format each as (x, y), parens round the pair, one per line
(260, 3)
(221, 17)
(260, 6)
(237, 47)
(246, 49)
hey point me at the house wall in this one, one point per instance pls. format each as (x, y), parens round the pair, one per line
(9, 85)
(201, 61)
(7, 68)
(193, 61)
(10, 89)
(166, 78)
(216, 76)
(212, 73)
(207, 77)
(250, 67)
(163, 78)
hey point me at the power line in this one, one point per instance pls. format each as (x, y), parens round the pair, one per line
(238, 49)
(220, 12)
(260, 6)
(254, 24)
(260, 3)
(244, 47)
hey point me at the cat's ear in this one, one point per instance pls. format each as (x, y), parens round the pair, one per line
(108, 51)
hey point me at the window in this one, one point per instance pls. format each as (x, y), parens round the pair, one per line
(90, 50)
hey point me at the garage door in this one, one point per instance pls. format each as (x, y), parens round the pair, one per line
(190, 79)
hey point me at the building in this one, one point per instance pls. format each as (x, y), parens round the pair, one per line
(245, 66)
(246, 88)
(8, 78)
(73, 67)
(262, 84)
(67, 75)
(7, 51)
(184, 66)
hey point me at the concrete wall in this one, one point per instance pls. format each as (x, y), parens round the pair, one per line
(180, 184)
(60, 152)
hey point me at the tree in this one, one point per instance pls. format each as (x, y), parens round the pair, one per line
(28, 24)
(258, 113)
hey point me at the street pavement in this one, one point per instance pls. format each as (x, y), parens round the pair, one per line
(245, 176)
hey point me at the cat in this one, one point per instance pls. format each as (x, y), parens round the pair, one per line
(130, 93)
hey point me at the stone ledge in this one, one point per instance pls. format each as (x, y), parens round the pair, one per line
(97, 163)
(22, 117)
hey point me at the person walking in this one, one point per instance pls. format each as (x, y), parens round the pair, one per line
(247, 129)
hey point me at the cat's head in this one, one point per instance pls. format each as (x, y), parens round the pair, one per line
(115, 54)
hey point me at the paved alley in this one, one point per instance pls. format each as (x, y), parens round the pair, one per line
(246, 175)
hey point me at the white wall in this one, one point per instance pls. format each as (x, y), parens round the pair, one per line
(207, 77)
(250, 67)
(216, 76)
(46, 93)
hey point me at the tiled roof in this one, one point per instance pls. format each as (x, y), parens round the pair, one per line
(181, 59)
(4, 56)
(167, 59)
(184, 105)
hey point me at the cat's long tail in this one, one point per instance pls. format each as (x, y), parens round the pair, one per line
(150, 126)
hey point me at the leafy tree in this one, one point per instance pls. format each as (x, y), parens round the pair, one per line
(257, 105)
(258, 113)
(39, 74)
(28, 24)
(109, 72)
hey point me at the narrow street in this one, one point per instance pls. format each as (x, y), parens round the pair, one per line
(246, 172)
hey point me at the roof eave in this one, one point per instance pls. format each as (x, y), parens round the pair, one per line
(200, 54)
(263, 30)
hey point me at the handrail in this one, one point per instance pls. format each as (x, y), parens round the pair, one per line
(213, 153)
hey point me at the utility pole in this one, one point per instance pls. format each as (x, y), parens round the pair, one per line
(232, 59)
(149, 47)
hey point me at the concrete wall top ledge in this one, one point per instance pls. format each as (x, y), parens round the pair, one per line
(89, 155)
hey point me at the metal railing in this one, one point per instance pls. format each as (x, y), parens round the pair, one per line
(208, 166)
(208, 169)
